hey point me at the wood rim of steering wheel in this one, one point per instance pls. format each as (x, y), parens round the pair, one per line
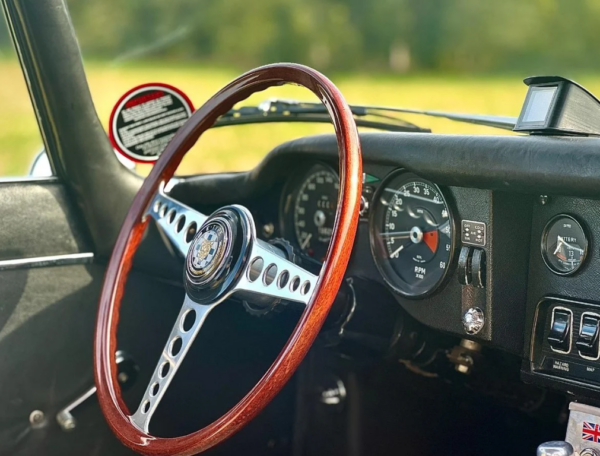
(313, 317)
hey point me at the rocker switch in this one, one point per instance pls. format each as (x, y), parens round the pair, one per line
(560, 330)
(587, 342)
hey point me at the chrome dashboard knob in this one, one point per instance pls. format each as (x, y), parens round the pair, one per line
(473, 320)
(555, 448)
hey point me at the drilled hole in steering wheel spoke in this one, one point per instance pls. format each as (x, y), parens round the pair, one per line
(145, 407)
(171, 215)
(256, 267)
(180, 223)
(270, 274)
(163, 210)
(164, 369)
(175, 346)
(283, 279)
(154, 389)
(295, 283)
(305, 288)
(188, 320)
(191, 232)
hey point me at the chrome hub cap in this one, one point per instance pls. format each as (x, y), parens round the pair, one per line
(206, 259)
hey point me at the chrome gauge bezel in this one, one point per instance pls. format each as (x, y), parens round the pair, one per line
(395, 282)
(544, 245)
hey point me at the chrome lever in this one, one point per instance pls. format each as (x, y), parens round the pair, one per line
(127, 375)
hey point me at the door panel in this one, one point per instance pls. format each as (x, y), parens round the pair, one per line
(47, 317)
(36, 221)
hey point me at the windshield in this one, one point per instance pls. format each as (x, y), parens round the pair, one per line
(392, 52)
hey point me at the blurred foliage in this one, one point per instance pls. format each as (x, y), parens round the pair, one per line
(355, 35)
(540, 36)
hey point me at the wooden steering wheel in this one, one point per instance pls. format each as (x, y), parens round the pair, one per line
(223, 258)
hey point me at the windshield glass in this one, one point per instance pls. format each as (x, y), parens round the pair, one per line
(392, 52)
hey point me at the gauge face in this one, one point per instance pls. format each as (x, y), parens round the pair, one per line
(412, 234)
(314, 210)
(564, 245)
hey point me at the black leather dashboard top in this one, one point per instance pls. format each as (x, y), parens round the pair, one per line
(554, 165)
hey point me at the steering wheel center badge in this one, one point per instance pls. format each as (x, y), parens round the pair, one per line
(207, 253)
(146, 118)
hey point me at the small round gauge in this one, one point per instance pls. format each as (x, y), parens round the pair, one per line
(314, 210)
(412, 234)
(564, 245)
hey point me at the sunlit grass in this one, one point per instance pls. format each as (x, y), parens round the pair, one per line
(242, 147)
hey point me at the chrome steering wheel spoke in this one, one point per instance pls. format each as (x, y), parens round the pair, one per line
(186, 328)
(263, 274)
(269, 274)
(178, 222)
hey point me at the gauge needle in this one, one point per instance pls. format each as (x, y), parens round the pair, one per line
(396, 234)
(305, 241)
(562, 241)
(396, 252)
(558, 245)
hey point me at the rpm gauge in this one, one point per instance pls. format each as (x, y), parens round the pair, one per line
(314, 210)
(564, 245)
(411, 234)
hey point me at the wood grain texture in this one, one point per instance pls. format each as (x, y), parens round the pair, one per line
(309, 324)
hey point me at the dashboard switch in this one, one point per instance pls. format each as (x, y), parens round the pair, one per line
(464, 265)
(560, 330)
(587, 342)
(478, 270)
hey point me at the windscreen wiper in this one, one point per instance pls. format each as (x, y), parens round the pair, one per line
(377, 117)
(503, 122)
(276, 110)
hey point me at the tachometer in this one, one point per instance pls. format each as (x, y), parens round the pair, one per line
(412, 233)
(314, 210)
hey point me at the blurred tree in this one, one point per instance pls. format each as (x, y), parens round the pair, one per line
(356, 35)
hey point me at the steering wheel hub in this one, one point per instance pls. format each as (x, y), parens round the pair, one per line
(218, 254)
(208, 250)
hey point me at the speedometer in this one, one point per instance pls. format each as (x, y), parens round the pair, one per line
(314, 210)
(411, 234)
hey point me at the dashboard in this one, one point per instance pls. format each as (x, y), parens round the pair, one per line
(489, 239)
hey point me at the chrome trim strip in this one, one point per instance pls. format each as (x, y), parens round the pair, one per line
(29, 180)
(46, 261)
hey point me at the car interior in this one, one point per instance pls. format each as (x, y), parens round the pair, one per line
(356, 293)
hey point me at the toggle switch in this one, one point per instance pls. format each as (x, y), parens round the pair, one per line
(464, 265)
(560, 330)
(587, 342)
(478, 270)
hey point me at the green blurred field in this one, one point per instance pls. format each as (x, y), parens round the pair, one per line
(239, 148)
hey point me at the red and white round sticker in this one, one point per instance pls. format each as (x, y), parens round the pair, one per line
(146, 118)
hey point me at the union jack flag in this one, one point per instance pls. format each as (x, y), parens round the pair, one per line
(591, 432)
